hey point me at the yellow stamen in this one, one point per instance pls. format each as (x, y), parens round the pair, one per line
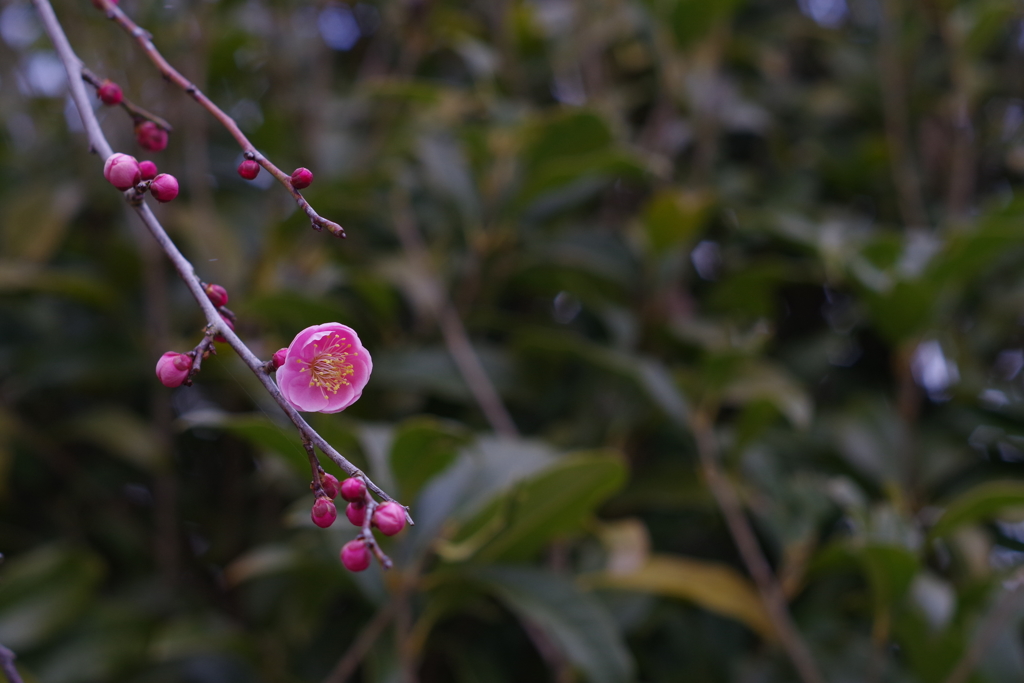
(330, 365)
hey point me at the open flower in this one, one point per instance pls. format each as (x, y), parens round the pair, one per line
(325, 369)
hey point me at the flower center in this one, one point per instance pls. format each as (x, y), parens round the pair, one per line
(330, 365)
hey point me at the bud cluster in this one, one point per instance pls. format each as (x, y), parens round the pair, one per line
(124, 172)
(388, 517)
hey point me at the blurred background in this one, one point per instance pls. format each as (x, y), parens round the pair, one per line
(791, 224)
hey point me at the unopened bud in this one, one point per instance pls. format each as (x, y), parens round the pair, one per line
(353, 490)
(249, 169)
(355, 556)
(279, 357)
(218, 295)
(109, 92)
(151, 136)
(330, 484)
(324, 513)
(301, 177)
(122, 171)
(172, 369)
(164, 187)
(389, 518)
(148, 169)
(356, 513)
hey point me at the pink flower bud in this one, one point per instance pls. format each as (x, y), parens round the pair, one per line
(164, 187)
(122, 171)
(148, 169)
(249, 169)
(355, 556)
(324, 513)
(218, 295)
(279, 357)
(227, 321)
(353, 490)
(110, 92)
(151, 136)
(301, 177)
(389, 518)
(172, 369)
(356, 513)
(331, 485)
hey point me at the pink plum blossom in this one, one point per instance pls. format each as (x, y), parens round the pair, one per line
(325, 369)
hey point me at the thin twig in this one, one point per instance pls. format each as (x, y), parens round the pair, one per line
(367, 533)
(7, 658)
(356, 652)
(746, 542)
(145, 39)
(201, 351)
(317, 485)
(897, 126)
(994, 623)
(452, 329)
(98, 144)
(135, 111)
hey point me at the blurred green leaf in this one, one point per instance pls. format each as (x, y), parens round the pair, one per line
(574, 621)
(553, 502)
(714, 586)
(422, 448)
(978, 503)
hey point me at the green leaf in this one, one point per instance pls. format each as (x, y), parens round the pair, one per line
(43, 591)
(980, 502)
(556, 501)
(714, 586)
(123, 434)
(422, 448)
(575, 622)
(672, 218)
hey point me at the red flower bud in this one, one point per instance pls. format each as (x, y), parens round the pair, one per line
(249, 169)
(110, 92)
(324, 513)
(217, 295)
(356, 513)
(301, 177)
(353, 490)
(164, 187)
(331, 485)
(279, 357)
(151, 136)
(355, 556)
(389, 518)
(172, 369)
(148, 169)
(122, 171)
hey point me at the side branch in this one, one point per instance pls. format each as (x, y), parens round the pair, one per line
(145, 39)
(746, 542)
(7, 658)
(215, 324)
(135, 111)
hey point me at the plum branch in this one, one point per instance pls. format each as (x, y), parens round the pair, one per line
(145, 39)
(216, 323)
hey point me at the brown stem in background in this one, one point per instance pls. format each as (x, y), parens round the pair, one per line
(98, 144)
(962, 154)
(701, 423)
(356, 652)
(454, 332)
(145, 39)
(994, 623)
(135, 111)
(897, 121)
(7, 658)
